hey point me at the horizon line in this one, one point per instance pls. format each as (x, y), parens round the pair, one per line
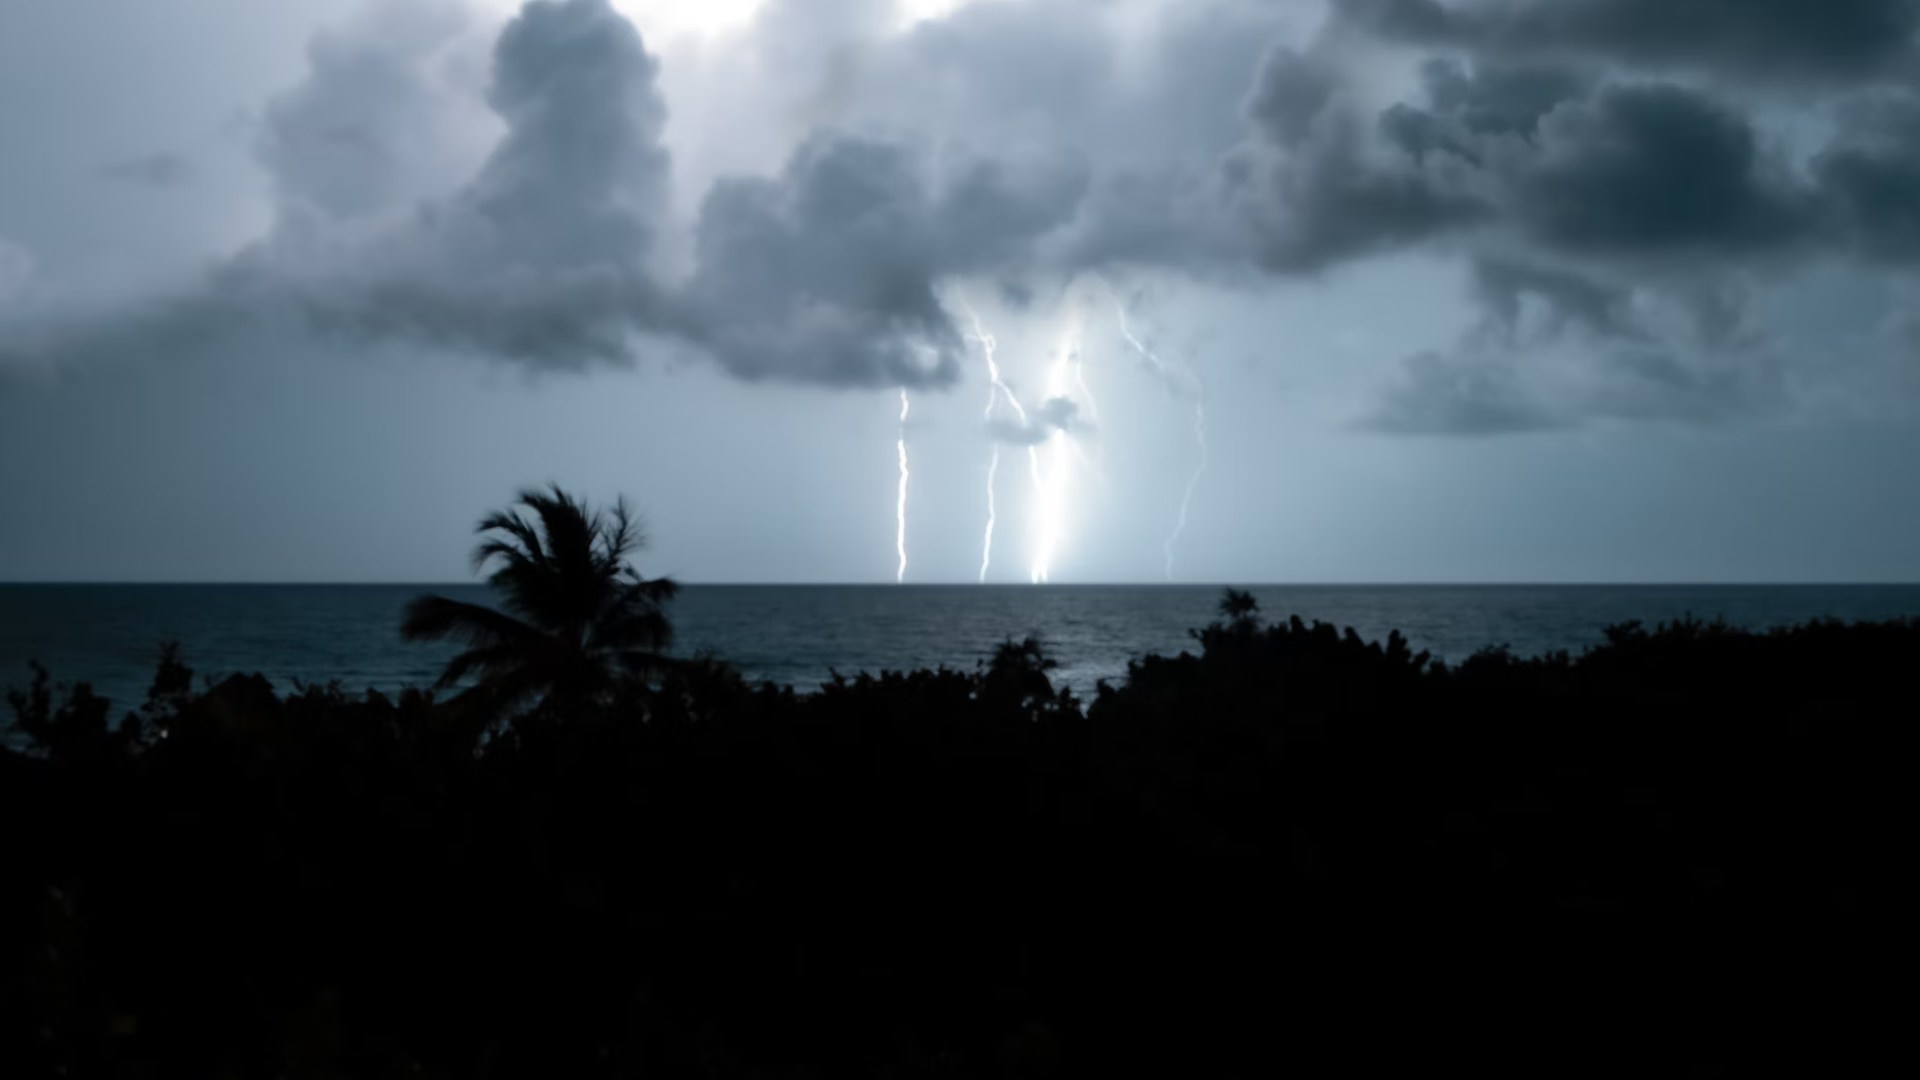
(960, 584)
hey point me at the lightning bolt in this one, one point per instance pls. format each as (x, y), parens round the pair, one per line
(1050, 461)
(1093, 411)
(1198, 388)
(997, 390)
(1052, 483)
(1199, 466)
(900, 508)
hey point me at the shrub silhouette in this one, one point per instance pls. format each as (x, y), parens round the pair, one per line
(1289, 849)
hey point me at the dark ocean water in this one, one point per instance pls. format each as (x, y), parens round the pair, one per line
(109, 634)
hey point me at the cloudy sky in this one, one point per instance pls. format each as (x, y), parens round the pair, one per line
(1276, 290)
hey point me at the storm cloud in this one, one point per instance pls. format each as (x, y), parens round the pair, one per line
(1560, 149)
(1539, 157)
(1835, 38)
(540, 256)
(1558, 349)
(828, 272)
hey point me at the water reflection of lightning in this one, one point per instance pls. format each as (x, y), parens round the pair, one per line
(900, 509)
(1198, 389)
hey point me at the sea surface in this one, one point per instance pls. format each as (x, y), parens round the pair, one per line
(109, 635)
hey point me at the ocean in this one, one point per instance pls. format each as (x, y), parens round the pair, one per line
(109, 635)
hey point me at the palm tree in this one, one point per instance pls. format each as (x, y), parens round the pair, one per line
(578, 623)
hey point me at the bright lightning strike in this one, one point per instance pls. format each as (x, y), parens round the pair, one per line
(1199, 391)
(1053, 483)
(900, 508)
(997, 390)
(994, 387)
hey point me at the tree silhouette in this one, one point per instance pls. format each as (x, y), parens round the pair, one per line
(579, 622)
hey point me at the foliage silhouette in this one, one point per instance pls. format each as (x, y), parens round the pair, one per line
(1287, 850)
(580, 624)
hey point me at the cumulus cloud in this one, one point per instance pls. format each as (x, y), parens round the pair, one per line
(540, 257)
(376, 124)
(1448, 394)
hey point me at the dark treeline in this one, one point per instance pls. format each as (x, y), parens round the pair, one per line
(1287, 850)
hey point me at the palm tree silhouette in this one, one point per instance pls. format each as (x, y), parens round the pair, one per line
(578, 623)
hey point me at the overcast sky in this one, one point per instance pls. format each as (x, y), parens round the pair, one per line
(1437, 290)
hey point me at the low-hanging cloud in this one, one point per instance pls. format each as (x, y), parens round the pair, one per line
(1555, 349)
(828, 272)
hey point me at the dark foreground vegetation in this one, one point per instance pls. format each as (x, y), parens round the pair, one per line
(1288, 852)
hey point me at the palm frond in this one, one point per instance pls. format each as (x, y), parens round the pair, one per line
(492, 664)
(634, 619)
(578, 617)
(516, 527)
(621, 534)
(436, 618)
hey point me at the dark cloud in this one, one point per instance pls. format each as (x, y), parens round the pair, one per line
(1572, 301)
(1552, 157)
(548, 255)
(1290, 96)
(1463, 393)
(1841, 39)
(827, 273)
(581, 174)
(1576, 184)
(540, 257)
(1146, 100)
(1042, 154)
(1558, 348)
(1021, 144)
(162, 170)
(1653, 168)
(1651, 384)
(1491, 98)
(1871, 176)
(1446, 394)
(1313, 188)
